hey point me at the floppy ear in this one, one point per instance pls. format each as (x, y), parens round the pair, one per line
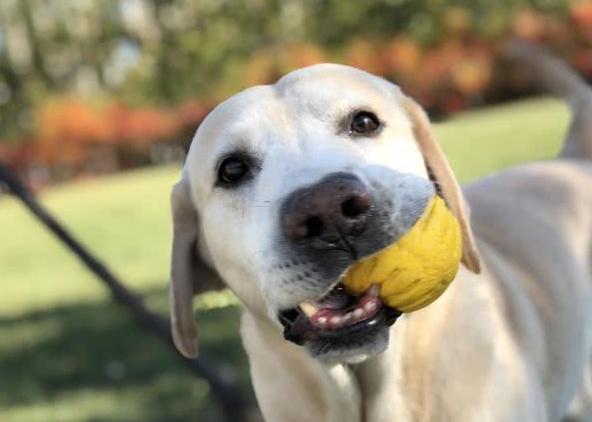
(440, 170)
(189, 274)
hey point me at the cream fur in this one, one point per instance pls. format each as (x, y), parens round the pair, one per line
(509, 344)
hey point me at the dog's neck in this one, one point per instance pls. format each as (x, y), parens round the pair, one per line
(394, 386)
(381, 380)
(310, 390)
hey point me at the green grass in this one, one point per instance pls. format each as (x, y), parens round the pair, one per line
(68, 354)
(482, 142)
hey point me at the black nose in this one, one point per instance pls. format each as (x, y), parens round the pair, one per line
(325, 214)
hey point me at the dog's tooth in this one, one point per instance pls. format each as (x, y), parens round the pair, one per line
(370, 306)
(308, 308)
(335, 320)
(348, 316)
(358, 313)
(322, 320)
(374, 290)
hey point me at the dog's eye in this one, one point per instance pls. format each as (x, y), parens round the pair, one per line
(364, 123)
(232, 170)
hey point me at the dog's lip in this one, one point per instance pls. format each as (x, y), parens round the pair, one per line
(338, 309)
(335, 315)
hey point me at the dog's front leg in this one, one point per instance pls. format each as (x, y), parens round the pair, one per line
(292, 386)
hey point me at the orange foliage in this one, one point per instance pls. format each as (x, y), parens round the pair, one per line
(141, 126)
(267, 65)
(18, 155)
(261, 68)
(581, 13)
(192, 112)
(445, 77)
(365, 54)
(529, 25)
(401, 56)
(457, 20)
(436, 66)
(189, 116)
(69, 131)
(472, 73)
(64, 127)
(297, 55)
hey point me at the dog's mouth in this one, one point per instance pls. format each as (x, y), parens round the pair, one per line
(337, 318)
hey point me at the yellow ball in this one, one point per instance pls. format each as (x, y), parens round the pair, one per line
(417, 269)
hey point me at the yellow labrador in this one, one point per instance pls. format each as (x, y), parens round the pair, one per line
(286, 185)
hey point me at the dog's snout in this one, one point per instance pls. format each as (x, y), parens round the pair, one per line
(323, 214)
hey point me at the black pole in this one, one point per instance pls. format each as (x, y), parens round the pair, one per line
(233, 404)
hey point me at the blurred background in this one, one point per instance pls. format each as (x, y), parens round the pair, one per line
(98, 102)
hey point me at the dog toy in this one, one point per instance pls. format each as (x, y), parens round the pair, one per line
(415, 270)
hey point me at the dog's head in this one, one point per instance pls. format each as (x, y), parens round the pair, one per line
(285, 186)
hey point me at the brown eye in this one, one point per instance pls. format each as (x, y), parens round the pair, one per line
(232, 170)
(364, 123)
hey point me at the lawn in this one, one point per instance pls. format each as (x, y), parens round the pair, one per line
(68, 354)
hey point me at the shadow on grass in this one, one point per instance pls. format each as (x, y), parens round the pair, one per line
(96, 348)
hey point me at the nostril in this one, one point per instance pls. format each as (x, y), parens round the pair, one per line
(355, 206)
(314, 227)
(305, 229)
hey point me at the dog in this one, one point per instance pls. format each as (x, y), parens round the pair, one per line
(286, 185)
